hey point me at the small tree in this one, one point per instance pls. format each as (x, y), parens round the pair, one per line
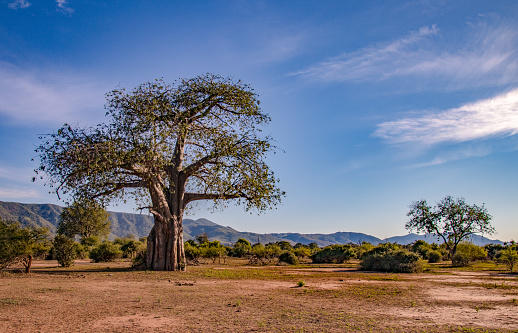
(242, 248)
(452, 220)
(509, 256)
(85, 218)
(19, 244)
(64, 250)
(202, 238)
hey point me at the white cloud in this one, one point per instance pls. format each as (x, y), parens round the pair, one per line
(483, 119)
(19, 4)
(48, 97)
(62, 6)
(485, 55)
(17, 193)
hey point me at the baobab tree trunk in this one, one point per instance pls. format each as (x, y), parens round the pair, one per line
(165, 248)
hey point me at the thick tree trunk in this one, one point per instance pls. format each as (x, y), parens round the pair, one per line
(165, 248)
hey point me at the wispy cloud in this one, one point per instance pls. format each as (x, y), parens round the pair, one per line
(48, 97)
(484, 55)
(19, 4)
(18, 193)
(483, 119)
(63, 6)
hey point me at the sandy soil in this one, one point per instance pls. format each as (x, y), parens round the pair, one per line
(236, 298)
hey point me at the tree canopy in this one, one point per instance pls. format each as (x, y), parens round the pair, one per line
(85, 218)
(168, 145)
(18, 244)
(452, 220)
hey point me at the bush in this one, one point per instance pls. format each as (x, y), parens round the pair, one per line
(241, 248)
(509, 256)
(399, 261)
(333, 254)
(105, 252)
(289, 257)
(20, 244)
(468, 252)
(63, 250)
(460, 259)
(192, 252)
(433, 256)
(302, 252)
(213, 250)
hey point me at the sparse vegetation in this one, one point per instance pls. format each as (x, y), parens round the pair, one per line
(233, 296)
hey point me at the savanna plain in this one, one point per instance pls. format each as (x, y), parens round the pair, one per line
(236, 297)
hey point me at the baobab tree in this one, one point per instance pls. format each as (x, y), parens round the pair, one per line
(168, 145)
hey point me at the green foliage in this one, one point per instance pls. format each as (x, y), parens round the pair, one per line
(285, 245)
(302, 252)
(262, 254)
(63, 250)
(85, 218)
(192, 252)
(199, 138)
(363, 248)
(468, 252)
(20, 244)
(509, 256)
(289, 257)
(493, 250)
(453, 220)
(241, 248)
(213, 250)
(391, 258)
(431, 252)
(130, 248)
(91, 241)
(106, 251)
(334, 254)
(433, 256)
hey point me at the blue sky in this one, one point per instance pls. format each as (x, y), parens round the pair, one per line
(375, 103)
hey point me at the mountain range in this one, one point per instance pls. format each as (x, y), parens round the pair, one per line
(139, 225)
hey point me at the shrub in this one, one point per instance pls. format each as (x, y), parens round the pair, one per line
(105, 252)
(333, 254)
(192, 252)
(399, 261)
(433, 256)
(63, 250)
(20, 244)
(213, 250)
(509, 256)
(289, 257)
(460, 259)
(273, 251)
(468, 252)
(302, 252)
(140, 260)
(241, 248)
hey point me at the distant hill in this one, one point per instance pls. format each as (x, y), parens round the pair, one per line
(410, 238)
(139, 225)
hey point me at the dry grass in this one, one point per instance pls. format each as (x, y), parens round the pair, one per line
(233, 297)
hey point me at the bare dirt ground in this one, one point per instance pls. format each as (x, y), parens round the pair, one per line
(234, 297)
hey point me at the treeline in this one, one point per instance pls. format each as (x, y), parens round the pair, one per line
(386, 257)
(19, 244)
